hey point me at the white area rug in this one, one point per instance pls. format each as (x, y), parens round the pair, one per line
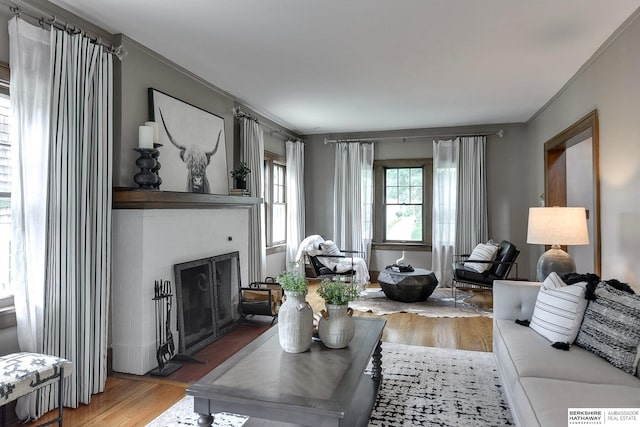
(422, 386)
(181, 414)
(439, 304)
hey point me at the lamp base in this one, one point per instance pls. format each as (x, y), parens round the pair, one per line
(555, 259)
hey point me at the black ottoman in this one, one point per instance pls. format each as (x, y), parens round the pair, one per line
(412, 286)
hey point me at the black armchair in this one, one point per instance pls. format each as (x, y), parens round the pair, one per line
(499, 268)
(321, 271)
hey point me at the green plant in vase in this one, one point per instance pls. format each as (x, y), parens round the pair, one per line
(336, 327)
(336, 292)
(240, 175)
(293, 281)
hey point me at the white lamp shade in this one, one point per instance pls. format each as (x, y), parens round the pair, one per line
(558, 226)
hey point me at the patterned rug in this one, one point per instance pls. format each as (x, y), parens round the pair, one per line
(439, 304)
(422, 386)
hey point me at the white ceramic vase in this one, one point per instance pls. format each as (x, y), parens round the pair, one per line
(295, 323)
(337, 328)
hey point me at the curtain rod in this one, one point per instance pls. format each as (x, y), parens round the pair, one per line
(119, 51)
(237, 112)
(500, 133)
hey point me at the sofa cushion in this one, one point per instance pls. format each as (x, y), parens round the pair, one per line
(482, 252)
(552, 398)
(558, 312)
(531, 355)
(611, 327)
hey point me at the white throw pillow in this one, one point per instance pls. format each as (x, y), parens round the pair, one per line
(553, 281)
(558, 312)
(482, 252)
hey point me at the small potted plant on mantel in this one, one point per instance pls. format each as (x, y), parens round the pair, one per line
(295, 318)
(240, 175)
(336, 328)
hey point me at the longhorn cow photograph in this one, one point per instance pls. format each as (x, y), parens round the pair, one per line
(193, 152)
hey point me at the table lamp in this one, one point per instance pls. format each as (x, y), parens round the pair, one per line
(557, 226)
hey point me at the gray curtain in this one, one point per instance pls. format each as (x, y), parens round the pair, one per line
(295, 198)
(252, 150)
(366, 198)
(472, 223)
(351, 211)
(445, 188)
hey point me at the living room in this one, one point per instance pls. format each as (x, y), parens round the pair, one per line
(605, 80)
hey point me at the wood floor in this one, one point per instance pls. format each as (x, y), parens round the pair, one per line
(130, 400)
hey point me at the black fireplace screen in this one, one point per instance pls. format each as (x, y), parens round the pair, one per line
(204, 298)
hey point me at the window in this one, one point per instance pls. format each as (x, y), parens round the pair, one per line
(403, 203)
(275, 199)
(279, 220)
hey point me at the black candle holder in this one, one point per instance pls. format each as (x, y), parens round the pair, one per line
(147, 178)
(155, 170)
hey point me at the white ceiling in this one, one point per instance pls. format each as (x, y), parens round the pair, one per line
(328, 66)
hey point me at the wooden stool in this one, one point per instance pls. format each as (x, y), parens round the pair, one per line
(23, 373)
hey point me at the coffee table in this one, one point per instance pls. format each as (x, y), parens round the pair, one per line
(413, 286)
(320, 387)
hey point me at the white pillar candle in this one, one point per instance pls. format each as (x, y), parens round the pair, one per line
(145, 137)
(153, 125)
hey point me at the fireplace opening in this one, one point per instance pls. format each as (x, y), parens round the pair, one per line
(206, 299)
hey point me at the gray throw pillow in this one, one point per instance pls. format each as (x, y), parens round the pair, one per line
(611, 327)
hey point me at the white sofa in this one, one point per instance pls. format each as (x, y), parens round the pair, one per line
(541, 382)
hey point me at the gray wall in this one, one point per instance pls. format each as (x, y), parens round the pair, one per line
(610, 85)
(5, 15)
(506, 184)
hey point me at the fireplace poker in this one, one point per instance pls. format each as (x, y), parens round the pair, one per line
(172, 347)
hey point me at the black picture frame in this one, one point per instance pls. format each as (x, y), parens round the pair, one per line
(193, 152)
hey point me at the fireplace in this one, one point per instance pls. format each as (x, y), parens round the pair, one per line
(205, 299)
(152, 232)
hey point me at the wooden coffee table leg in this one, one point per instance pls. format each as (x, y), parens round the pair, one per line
(376, 373)
(205, 420)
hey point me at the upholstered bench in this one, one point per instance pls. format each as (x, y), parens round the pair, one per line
(22, 373)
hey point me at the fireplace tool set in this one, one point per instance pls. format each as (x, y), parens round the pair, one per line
(166, 349)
